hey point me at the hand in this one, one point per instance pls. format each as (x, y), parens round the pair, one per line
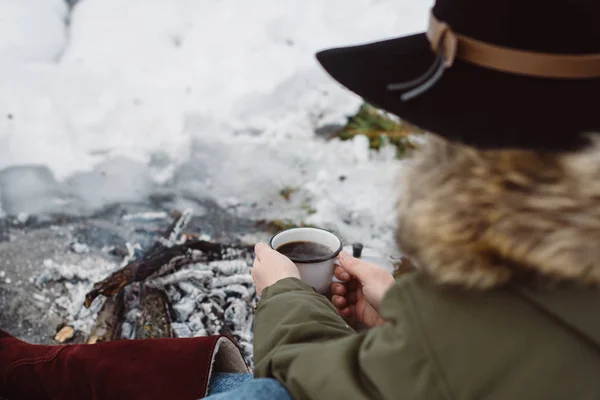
(358, 299)
(271, 266)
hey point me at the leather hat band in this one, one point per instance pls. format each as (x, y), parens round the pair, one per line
(543, 65)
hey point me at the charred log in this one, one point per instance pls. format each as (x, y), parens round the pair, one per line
(152, 264)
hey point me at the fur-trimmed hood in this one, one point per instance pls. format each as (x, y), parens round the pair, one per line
(482, 218)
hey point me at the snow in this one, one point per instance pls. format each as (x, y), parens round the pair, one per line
(80, 248)
(181, 330)
(216, 99)
(19, 42)
(146, 216)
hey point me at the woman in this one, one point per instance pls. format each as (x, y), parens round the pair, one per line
(501, 212)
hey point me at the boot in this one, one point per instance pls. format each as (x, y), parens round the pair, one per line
(176, 369)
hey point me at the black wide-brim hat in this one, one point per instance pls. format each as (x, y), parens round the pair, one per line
(481, 105)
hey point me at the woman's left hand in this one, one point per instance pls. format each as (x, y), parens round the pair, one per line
(271, 266)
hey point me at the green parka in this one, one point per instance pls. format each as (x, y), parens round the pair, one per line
(437, 343)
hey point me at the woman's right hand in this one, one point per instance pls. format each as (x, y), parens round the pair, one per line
(365, 284)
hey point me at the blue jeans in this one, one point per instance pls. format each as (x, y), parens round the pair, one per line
(244, 387)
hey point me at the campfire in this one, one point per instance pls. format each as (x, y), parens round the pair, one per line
(180, 287)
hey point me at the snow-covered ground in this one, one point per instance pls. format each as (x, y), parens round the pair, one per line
(217, 99)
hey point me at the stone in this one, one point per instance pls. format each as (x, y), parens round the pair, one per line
(65, 334)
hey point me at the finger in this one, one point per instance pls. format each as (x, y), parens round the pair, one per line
(345, 312)
(339, 289)
(260, 249)
(353, 310)
(352, 297)
(255, 267)
(341, 274)
(339, 302)
(354, 266)
(352, 285)
(272, 257)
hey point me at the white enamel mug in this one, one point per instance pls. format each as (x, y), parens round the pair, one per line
(317, 272)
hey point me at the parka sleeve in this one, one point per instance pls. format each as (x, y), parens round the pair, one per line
(300, 340)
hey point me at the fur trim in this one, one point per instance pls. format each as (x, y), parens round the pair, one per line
(483, 218)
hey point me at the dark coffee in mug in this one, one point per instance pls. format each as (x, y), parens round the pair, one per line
(314, 252)
(304, 251)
